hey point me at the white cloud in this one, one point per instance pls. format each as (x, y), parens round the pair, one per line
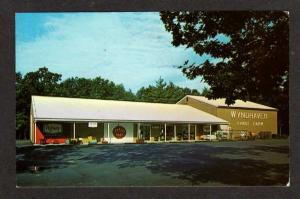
(129, 48)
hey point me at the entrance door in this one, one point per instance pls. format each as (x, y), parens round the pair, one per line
(145, 131)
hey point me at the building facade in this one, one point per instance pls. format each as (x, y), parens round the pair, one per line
(57, 120)
(242, 116)
(54, 120)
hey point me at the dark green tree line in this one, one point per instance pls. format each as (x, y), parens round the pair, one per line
(163, 92)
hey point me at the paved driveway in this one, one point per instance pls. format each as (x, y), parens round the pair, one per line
(261, 162)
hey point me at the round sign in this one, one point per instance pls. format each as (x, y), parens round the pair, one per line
(119, 132)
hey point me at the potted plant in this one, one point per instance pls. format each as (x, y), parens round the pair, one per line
(140, 141)
(103, 141)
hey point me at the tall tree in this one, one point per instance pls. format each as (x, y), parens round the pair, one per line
(163, 92)
(248, 50)
(41, 82)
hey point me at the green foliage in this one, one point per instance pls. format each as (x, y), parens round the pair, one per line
(205, 92)
(163, 92)
(252, 62)
(96, 88)
(41, 82)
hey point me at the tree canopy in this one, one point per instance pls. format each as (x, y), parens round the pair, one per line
(248, 50)
(163, 92)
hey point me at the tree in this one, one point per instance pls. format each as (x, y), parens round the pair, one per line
(205, 92)
(163, 92)
(248, 53)
(97, 88)
(41, 82)
(75, 87)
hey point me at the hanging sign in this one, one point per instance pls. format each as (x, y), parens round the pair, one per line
(119, 132)
(52, 128)
(93, 124)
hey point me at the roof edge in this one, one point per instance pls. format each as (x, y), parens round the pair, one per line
(222, 106)
(33, 96)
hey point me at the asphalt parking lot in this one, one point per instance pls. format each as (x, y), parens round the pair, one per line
(250, 163)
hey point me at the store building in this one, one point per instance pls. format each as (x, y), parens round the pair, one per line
(54, 120)
(246, 116)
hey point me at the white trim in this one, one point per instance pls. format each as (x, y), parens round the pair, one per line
(125, 121)
(108, 133)
(138, 131)
(74, 130)
(175, 132)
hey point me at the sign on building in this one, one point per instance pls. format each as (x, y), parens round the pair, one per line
(93, 124)
(119, 132)
(52, 128)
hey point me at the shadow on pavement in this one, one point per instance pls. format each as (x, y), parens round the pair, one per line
(196, 163)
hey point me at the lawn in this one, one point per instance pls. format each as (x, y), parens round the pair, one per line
(260, 162)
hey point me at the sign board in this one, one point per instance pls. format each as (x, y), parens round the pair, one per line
(52, 128)
(93, 124)
(119, 132)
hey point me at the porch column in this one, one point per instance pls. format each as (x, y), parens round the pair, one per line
(165, 132)
(195, 131)
(175, 132)
(74, 130)
(210, 132)
(108, 132)
(139, 131)
(189, 130)
(150, 133)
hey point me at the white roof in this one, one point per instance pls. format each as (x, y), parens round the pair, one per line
(78, 109)
(221, 103)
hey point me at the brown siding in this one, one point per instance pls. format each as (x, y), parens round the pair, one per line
(250, 124)
(201, 106)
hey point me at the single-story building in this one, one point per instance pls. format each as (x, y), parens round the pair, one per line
(58, 119)
(244, 116)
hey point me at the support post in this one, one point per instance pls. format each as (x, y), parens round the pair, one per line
(150, 133)
(139, 131)
(189, 131)
(165, 132)
(195, 131)
(74, 130)
(210, 132)
(108, 133)
(175, 132)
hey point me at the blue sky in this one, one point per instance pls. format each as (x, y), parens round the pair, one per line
(132, 49)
